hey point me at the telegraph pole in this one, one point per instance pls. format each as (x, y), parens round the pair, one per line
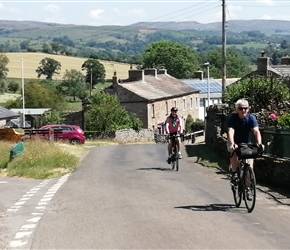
(224, 67)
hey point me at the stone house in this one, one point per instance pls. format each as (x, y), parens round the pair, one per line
(150, 94)
(265, 68)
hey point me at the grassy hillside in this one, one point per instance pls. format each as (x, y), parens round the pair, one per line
(31, 63)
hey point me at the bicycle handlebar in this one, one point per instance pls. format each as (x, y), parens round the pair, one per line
(260, 148)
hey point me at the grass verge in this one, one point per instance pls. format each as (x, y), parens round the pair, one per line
(205, 156)
(40, 159)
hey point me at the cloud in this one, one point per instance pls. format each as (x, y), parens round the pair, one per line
(10, 10)
(136, 12)
(266, 17)
(232, 12)
(276, 17)
(131, 12)
(266, 2)
(96, 14)
(51, 8)
(54, 20)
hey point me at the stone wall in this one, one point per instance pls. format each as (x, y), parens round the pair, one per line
(270, 170)
(130, 135)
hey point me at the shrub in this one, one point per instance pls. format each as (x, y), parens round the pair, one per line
(261, 92)
(188, 122)
(284, 121)
(197, 125)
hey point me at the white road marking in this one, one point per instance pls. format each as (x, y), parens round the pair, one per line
(28, 226)
(17, 243)
(35, 219)
(20, 235)
(27, 229)
(3, 182)
(27, 196)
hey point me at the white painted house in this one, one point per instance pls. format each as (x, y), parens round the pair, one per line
(215, 90)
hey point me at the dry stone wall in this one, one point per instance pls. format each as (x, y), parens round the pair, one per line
(130, 135)
(269, 170)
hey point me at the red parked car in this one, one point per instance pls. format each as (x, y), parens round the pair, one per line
(72, 133)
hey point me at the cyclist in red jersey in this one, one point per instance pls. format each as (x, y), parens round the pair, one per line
(173, 127)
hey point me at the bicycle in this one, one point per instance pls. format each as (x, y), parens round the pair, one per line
(245, 185)
(174, 156)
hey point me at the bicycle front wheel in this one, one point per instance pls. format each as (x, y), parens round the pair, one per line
(250, 189)
(177, 160)
(237, 193)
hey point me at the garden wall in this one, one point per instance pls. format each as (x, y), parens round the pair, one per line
(130, 135)
(269, 169)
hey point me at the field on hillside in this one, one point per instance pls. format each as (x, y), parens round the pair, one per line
(31, 63)
(7, 96)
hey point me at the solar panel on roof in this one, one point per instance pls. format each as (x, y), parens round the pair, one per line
(215, 87)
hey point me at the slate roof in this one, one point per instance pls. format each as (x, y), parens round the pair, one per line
(6, 113)
(31, 111)
(276, 70)
(282, 70)
(161, 87)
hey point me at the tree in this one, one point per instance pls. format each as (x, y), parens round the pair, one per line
(179, 60)
(53, 117)
(2, 86)
(95, 71)
(48, 67)
(284, 44)
(13, 86)
(3, 66)
(237, 65)
(55, 47)
(24, 45)
(38, 95)
(73, 84)
(46, 48)
(106, 115)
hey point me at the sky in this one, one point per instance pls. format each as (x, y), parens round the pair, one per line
(99, 13)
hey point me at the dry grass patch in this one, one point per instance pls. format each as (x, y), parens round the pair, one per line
(41, 159)
(8, 96)
(31, 63)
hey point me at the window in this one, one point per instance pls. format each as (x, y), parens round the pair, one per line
(191, 103)
(174, 103)
(196, 102)
(153, 111)
(65, 129)
(184, 106)
(201, 102)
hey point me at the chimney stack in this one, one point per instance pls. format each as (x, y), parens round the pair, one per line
(198, 74)
(115, 78)
(162, 71)
(151, 71)
(136, 75)
(263, 63)
(285, 60)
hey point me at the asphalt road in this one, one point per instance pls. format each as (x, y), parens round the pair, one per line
(126, 197)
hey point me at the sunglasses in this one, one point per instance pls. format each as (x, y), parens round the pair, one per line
(243, 108)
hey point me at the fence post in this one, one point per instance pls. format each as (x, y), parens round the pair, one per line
(51, 134)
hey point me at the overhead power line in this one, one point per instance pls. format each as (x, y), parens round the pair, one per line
(180, 13)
